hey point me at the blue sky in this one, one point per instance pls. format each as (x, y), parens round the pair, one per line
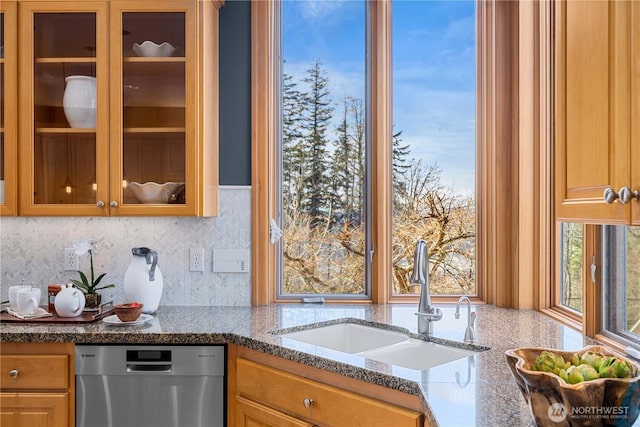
(433, 74)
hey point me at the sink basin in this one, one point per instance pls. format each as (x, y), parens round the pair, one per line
(417, 354)
(382, 345)
(348, 337)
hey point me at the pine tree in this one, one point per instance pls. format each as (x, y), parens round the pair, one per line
(348, 167)
(317, 115)
(293, 108)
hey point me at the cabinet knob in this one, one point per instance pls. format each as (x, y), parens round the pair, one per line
(610, 195)
(113, 204)
(13, 373)
(626, 195)
(100, 204)
(307, 403)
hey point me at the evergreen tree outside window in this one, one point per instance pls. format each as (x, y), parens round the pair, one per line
(324, 147)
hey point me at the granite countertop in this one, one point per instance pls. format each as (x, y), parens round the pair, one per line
(473, 391)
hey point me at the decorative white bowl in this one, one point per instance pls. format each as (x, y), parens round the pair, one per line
(152, 192)
(149, 48)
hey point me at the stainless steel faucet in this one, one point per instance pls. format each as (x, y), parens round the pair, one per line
(470, 332)
(426, 313)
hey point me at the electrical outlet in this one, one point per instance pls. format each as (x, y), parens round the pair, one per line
(70, 260)
(196, 260)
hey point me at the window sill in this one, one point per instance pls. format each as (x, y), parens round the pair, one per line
(564, 317)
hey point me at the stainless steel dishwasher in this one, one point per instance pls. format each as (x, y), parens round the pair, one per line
(154, 386)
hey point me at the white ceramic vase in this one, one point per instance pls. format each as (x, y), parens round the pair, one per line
(79, 101)
(143, 280)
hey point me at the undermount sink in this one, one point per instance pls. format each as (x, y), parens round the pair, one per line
(348, 337)
(382, 345)
(418, 354)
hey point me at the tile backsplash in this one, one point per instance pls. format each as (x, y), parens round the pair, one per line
(32, 248)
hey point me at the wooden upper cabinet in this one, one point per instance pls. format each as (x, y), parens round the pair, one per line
(119, 116)
(597, 63)
(8, 109)
(635, 111)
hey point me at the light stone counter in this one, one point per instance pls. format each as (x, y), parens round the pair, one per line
(474, 391)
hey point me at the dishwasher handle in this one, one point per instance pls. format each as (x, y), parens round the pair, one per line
(134, 367)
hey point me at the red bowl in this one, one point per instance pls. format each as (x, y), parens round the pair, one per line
(128, 312)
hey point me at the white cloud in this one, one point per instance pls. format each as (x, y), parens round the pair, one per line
(319, 9)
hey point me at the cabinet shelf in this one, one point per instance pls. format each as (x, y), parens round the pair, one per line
(58, 60)
(152, 59)
(64, 130)
(154, 130)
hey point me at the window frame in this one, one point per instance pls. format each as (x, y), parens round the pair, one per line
(503, 132)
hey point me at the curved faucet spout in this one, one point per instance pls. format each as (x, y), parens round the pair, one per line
(469, 333)
(420, 276)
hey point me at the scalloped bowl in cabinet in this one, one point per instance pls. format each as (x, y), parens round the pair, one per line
(153, 192)
(150, 49)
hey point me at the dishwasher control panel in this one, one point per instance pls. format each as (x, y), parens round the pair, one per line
(149, 360)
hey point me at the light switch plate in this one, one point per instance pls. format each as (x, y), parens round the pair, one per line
(231, 260)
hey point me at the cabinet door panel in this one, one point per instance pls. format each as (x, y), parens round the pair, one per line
(153, 108)
(8, 109)
(34, 409)
(330, 405)
(592, 109)
(251, 414)
(635, 110)
(63, 108)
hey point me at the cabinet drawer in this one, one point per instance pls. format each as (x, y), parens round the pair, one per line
(255, 415)
(331, 406)
(34, 372)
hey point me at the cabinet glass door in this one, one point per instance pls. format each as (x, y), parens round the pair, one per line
(8, 106)
(155, 117)
(68, 154)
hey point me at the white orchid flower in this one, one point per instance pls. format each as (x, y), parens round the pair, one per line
(84, 245)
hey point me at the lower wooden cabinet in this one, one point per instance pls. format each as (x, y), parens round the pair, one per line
(34, 409)
(37, 385)
(270, 396)
(252, 414)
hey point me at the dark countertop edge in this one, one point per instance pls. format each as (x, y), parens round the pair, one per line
(358, 373)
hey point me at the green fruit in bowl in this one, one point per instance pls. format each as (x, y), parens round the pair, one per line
(589, 366)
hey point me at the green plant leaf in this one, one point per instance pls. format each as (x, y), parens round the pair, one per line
(95, 283)
(80, 285)
(111, 285)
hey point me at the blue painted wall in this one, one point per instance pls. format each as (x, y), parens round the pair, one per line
(235, 93)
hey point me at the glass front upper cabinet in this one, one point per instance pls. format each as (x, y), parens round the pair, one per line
(8, 109)
(65, 127)
(154, 106)
(121, 112)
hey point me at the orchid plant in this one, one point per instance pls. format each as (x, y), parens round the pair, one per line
(81, 247)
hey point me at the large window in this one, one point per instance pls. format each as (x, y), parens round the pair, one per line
(434, 99)
(323, 145)
(326, 167)
(621, 279)
(571, 265)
